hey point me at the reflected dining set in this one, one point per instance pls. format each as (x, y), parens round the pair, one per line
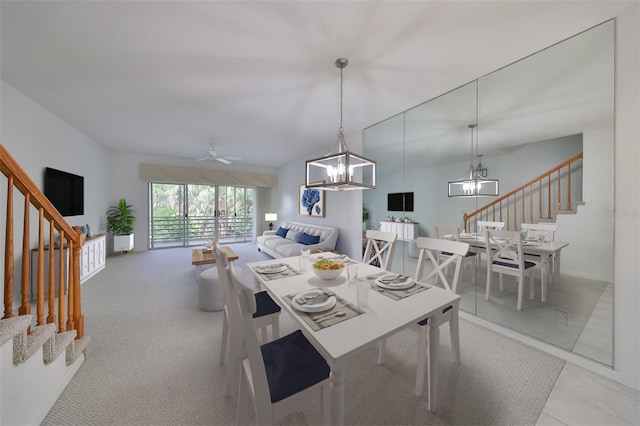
(334, 325)
(516, 253)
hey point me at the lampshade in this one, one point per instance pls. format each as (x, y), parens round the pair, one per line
(475, 183)
(340, 170)
(270, 217)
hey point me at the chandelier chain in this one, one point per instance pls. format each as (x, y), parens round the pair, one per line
(341, 95)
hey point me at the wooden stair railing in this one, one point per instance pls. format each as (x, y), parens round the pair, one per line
(505, 208)
(70, 237)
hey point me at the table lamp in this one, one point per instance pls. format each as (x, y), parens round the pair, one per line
(270, 217)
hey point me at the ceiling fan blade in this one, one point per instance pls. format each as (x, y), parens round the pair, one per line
(223, 160)
(203, 159)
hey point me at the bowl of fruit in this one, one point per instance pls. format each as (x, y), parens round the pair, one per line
(326, 269)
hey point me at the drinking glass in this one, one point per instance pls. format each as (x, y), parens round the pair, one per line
(362, 288)
(304, 259)
(352, 273)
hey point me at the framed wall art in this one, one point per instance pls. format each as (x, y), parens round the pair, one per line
(310, 202)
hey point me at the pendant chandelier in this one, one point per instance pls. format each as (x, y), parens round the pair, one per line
(475, 183)
(340, 170)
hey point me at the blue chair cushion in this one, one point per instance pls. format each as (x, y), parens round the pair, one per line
(282, 232)
(265, 305)
(307, 239)
(469, 253)
(292, 365)
(527, 265)
(444, 311)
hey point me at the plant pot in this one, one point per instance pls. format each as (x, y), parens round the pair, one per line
(122, 243)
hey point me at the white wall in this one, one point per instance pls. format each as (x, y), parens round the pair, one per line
(626, 296)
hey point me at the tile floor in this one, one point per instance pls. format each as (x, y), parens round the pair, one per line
(581, 397)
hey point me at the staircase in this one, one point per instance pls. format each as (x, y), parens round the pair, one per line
(538, 200)
(38, 355)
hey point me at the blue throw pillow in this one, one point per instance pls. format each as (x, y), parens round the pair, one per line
(282, 232)
(307, 239)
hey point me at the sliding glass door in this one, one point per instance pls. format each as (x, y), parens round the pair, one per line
(186, 215)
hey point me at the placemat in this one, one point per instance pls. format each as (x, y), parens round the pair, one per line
(308, 317)
(289, 272)
(394, 294)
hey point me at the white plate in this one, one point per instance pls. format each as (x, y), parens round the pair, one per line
(396, 286)
(274, 269)
(322, 303)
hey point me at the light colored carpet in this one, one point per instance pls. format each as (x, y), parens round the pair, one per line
(153, 360)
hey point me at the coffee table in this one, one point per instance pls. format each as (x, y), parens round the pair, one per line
(201, 257)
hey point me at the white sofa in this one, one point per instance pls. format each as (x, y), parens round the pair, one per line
(276, 246)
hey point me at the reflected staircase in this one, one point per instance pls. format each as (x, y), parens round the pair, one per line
(538, 200)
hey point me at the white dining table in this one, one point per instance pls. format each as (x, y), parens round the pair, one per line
(548, 251)
(382, 318)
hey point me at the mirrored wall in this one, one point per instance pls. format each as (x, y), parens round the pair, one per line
(547, 119)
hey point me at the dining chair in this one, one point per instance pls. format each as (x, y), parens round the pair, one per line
(379, 249)
(279, 376)
(481, 226)
(505, 256)
(487, 224)
(267, 314)
(544, 233)
(452, 233)
(430, 249)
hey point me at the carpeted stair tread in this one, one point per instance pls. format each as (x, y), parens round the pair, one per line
(55, 346)
(35, 340)
(76, 348)
(11, 327)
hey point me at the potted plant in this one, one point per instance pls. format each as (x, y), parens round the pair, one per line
(120, 220)
(365, 217)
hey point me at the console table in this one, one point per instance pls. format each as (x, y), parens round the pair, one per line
(404, 230)
(92, 261)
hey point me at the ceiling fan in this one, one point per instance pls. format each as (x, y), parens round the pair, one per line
(212, 155)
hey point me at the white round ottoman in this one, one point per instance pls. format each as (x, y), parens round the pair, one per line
(413, 249)
(209, 291)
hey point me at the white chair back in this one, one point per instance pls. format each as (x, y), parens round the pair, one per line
(429, 249)
(242, 314)
(539, 231)
(487, 224)
(222, 263)
(445, 232)
(504, 247)
(379, 248)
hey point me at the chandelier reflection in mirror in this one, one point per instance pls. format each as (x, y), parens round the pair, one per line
(340, 170)
(475, 183)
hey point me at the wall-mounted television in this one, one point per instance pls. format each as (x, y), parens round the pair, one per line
(400, 202)
(65, 191)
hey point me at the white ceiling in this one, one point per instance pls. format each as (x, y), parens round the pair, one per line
(258, 78)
